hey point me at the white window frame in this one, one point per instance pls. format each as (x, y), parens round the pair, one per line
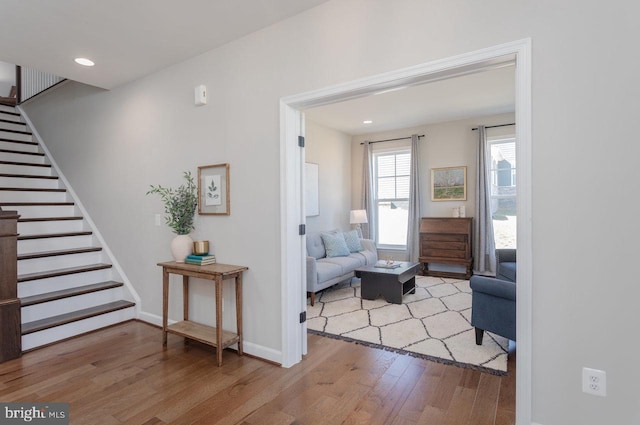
(377, 201)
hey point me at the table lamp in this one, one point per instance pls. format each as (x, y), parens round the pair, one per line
(358, 217)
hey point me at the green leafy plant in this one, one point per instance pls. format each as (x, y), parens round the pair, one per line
(179, 204)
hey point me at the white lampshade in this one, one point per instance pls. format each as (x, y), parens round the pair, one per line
(358, 217)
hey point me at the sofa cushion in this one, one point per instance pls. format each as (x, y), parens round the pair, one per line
(315, 246)
(366, 257)
(353, 241)
(346, 264)
(507, 271)
(327, 271)
(335, 245)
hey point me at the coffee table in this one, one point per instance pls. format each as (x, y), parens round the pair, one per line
(392, 284)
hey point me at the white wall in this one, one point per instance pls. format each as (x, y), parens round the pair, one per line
(7, 78)
(331, 150)
(448, 144)
(112, 145)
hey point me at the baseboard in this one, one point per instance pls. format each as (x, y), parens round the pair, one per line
(255, 350)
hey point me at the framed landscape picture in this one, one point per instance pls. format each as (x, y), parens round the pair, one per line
(213, 190)
(449, 184)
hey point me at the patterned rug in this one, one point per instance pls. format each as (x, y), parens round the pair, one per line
(434, 323)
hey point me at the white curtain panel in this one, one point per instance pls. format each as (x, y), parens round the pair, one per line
(484, 247)
(414, 202)
(368, 229)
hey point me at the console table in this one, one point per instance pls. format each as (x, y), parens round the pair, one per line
(214, 336)
(445, 240)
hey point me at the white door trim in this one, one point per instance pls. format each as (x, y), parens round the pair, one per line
(292, 249)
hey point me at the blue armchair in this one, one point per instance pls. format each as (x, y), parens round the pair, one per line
(493, 307)
(506, 264)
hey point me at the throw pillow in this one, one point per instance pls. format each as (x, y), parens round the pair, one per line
(353, 241)
(335, 245)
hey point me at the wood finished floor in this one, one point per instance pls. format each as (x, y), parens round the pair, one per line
(122, 375)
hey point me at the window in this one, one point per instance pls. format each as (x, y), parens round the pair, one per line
(503, 191)
(392, 170)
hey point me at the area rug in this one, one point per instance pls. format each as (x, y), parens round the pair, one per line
(434, 323)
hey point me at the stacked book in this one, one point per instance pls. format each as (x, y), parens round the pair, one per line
(200, 260)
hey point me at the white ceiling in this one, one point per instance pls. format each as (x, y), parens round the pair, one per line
(483, 93)
(127, 39)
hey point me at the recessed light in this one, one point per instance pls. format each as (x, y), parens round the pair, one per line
(84, 61)
(367, 122)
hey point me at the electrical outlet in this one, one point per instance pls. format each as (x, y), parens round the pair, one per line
(594, 381)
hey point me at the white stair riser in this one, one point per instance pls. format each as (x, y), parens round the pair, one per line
(58, 333)
(29, 196)
(53, 244)
(68, 305)
(7, 108)
(43, 227)
(15, 136)
(43, 286)
(29, 183)
(35, 211)
(25, 169)
(36, 265)
(11, 126)
(22, 147)
(21, 157)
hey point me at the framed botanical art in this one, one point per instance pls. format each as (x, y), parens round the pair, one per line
(449, 184)
(213, 190)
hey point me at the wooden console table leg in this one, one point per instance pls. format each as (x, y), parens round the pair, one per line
(239, 311)
(219, 319)
(165, 305)
(185, 302)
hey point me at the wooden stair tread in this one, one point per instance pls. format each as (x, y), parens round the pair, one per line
(56, 253)
(26, 164)
(31, 189)
(17, 114)
(28, 176)
(32, 219)
(24, 142)
(62, 272)
(67, 293)
(28, 133)
(21, 152)
(54, 235)
(63, 319)
(11, 121)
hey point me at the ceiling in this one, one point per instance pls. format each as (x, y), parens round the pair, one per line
(483, 93)
(127, 39)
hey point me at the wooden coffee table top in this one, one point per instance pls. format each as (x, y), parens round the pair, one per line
(404, 266)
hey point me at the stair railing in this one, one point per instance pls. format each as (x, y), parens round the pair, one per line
(10, 332)
(32, 82)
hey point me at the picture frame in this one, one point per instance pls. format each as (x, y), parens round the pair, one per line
(213, 190)
(449, 184)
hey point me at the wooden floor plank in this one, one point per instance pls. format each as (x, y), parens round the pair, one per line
(123, 375)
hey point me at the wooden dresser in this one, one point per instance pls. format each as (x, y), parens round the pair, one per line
(446, 241)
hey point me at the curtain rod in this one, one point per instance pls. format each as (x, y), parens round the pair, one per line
(494, 126)
(392, 140)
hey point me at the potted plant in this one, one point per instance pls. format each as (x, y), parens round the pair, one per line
(180, 207)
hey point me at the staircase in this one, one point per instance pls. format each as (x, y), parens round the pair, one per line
(67, 284)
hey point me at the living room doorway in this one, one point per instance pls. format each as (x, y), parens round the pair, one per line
(292, 162)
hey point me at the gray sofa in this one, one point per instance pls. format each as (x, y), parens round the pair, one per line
(323, 271)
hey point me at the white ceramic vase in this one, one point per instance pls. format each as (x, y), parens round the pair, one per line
(181, 247)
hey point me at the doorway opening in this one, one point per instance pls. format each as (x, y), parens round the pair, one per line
(292, 190)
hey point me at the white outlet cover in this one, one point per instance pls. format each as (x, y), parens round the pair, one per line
(594, 381)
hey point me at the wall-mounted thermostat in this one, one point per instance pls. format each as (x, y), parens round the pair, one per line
(201, 95)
